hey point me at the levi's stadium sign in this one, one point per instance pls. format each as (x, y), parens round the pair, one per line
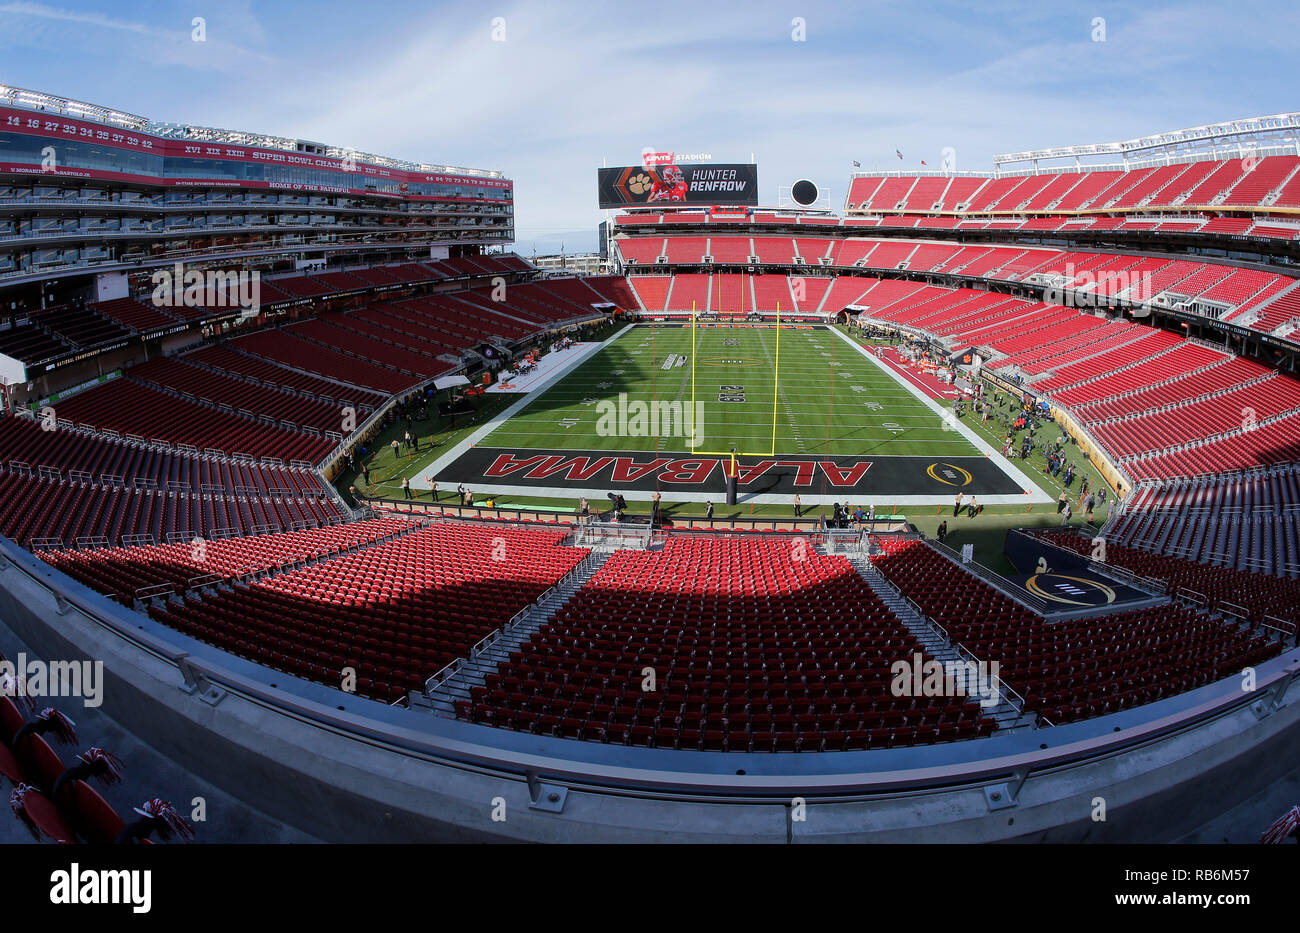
(650, 158)
(645, 185)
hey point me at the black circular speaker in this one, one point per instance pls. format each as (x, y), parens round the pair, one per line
(803, 191)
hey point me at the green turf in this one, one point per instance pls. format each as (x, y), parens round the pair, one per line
(824, 398)
(985, 532)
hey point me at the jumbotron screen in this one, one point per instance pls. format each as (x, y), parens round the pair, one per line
(707, 183)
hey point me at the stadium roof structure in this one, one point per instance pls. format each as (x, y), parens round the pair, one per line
(1278, 134)
(49, 103)
(1196, 139)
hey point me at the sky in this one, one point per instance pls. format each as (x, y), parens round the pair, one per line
(549, 91)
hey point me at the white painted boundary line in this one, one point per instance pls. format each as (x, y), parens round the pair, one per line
(1035, 494)
(417, 481)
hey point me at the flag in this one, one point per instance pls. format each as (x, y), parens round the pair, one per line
(857, 164)
(923, 162)
(898, 152)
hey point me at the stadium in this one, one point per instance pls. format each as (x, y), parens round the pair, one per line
(956, 510)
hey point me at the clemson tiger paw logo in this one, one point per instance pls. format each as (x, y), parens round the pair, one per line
(640, 183)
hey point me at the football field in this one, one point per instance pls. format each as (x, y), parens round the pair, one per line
(824, 398)
(662, 407)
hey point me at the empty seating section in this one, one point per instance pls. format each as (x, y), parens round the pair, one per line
(1240, 182)
(403, 324)
(687, 249)
(135, 315)
(1098, 277)
(652, 290)
(576, 294)
(377, 276)
(889, 255)
(33, 344)
(533, 303)
(1234, 410)
(778, 250)
(120, 572)
(926, 193)
(223, 358)
(245, 397)
(1118, 346)
(1250, 521)
(280, 346)
(772, 292)
(689, 292)
(890, 194)
(990, 193)
(42, 508)
(395, 612)
(613, 289)
(1177, 374)
(730, 249)
(845, 291)
(300, 286)
(641, 250)
(460, 319)
(332, 331)
(811, 251)
(1265, 445)
(1243, 287)
(148, 413)
(81, 327)
(340, 281)
(808, 292)
(1078, 340)
(752, 649)
(1261, 177)
(1072, 669)
(1282, 310)
(730, 295)
(89, 457)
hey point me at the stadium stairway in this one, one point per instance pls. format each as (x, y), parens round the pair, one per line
(1006, 714)
(462, 675)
